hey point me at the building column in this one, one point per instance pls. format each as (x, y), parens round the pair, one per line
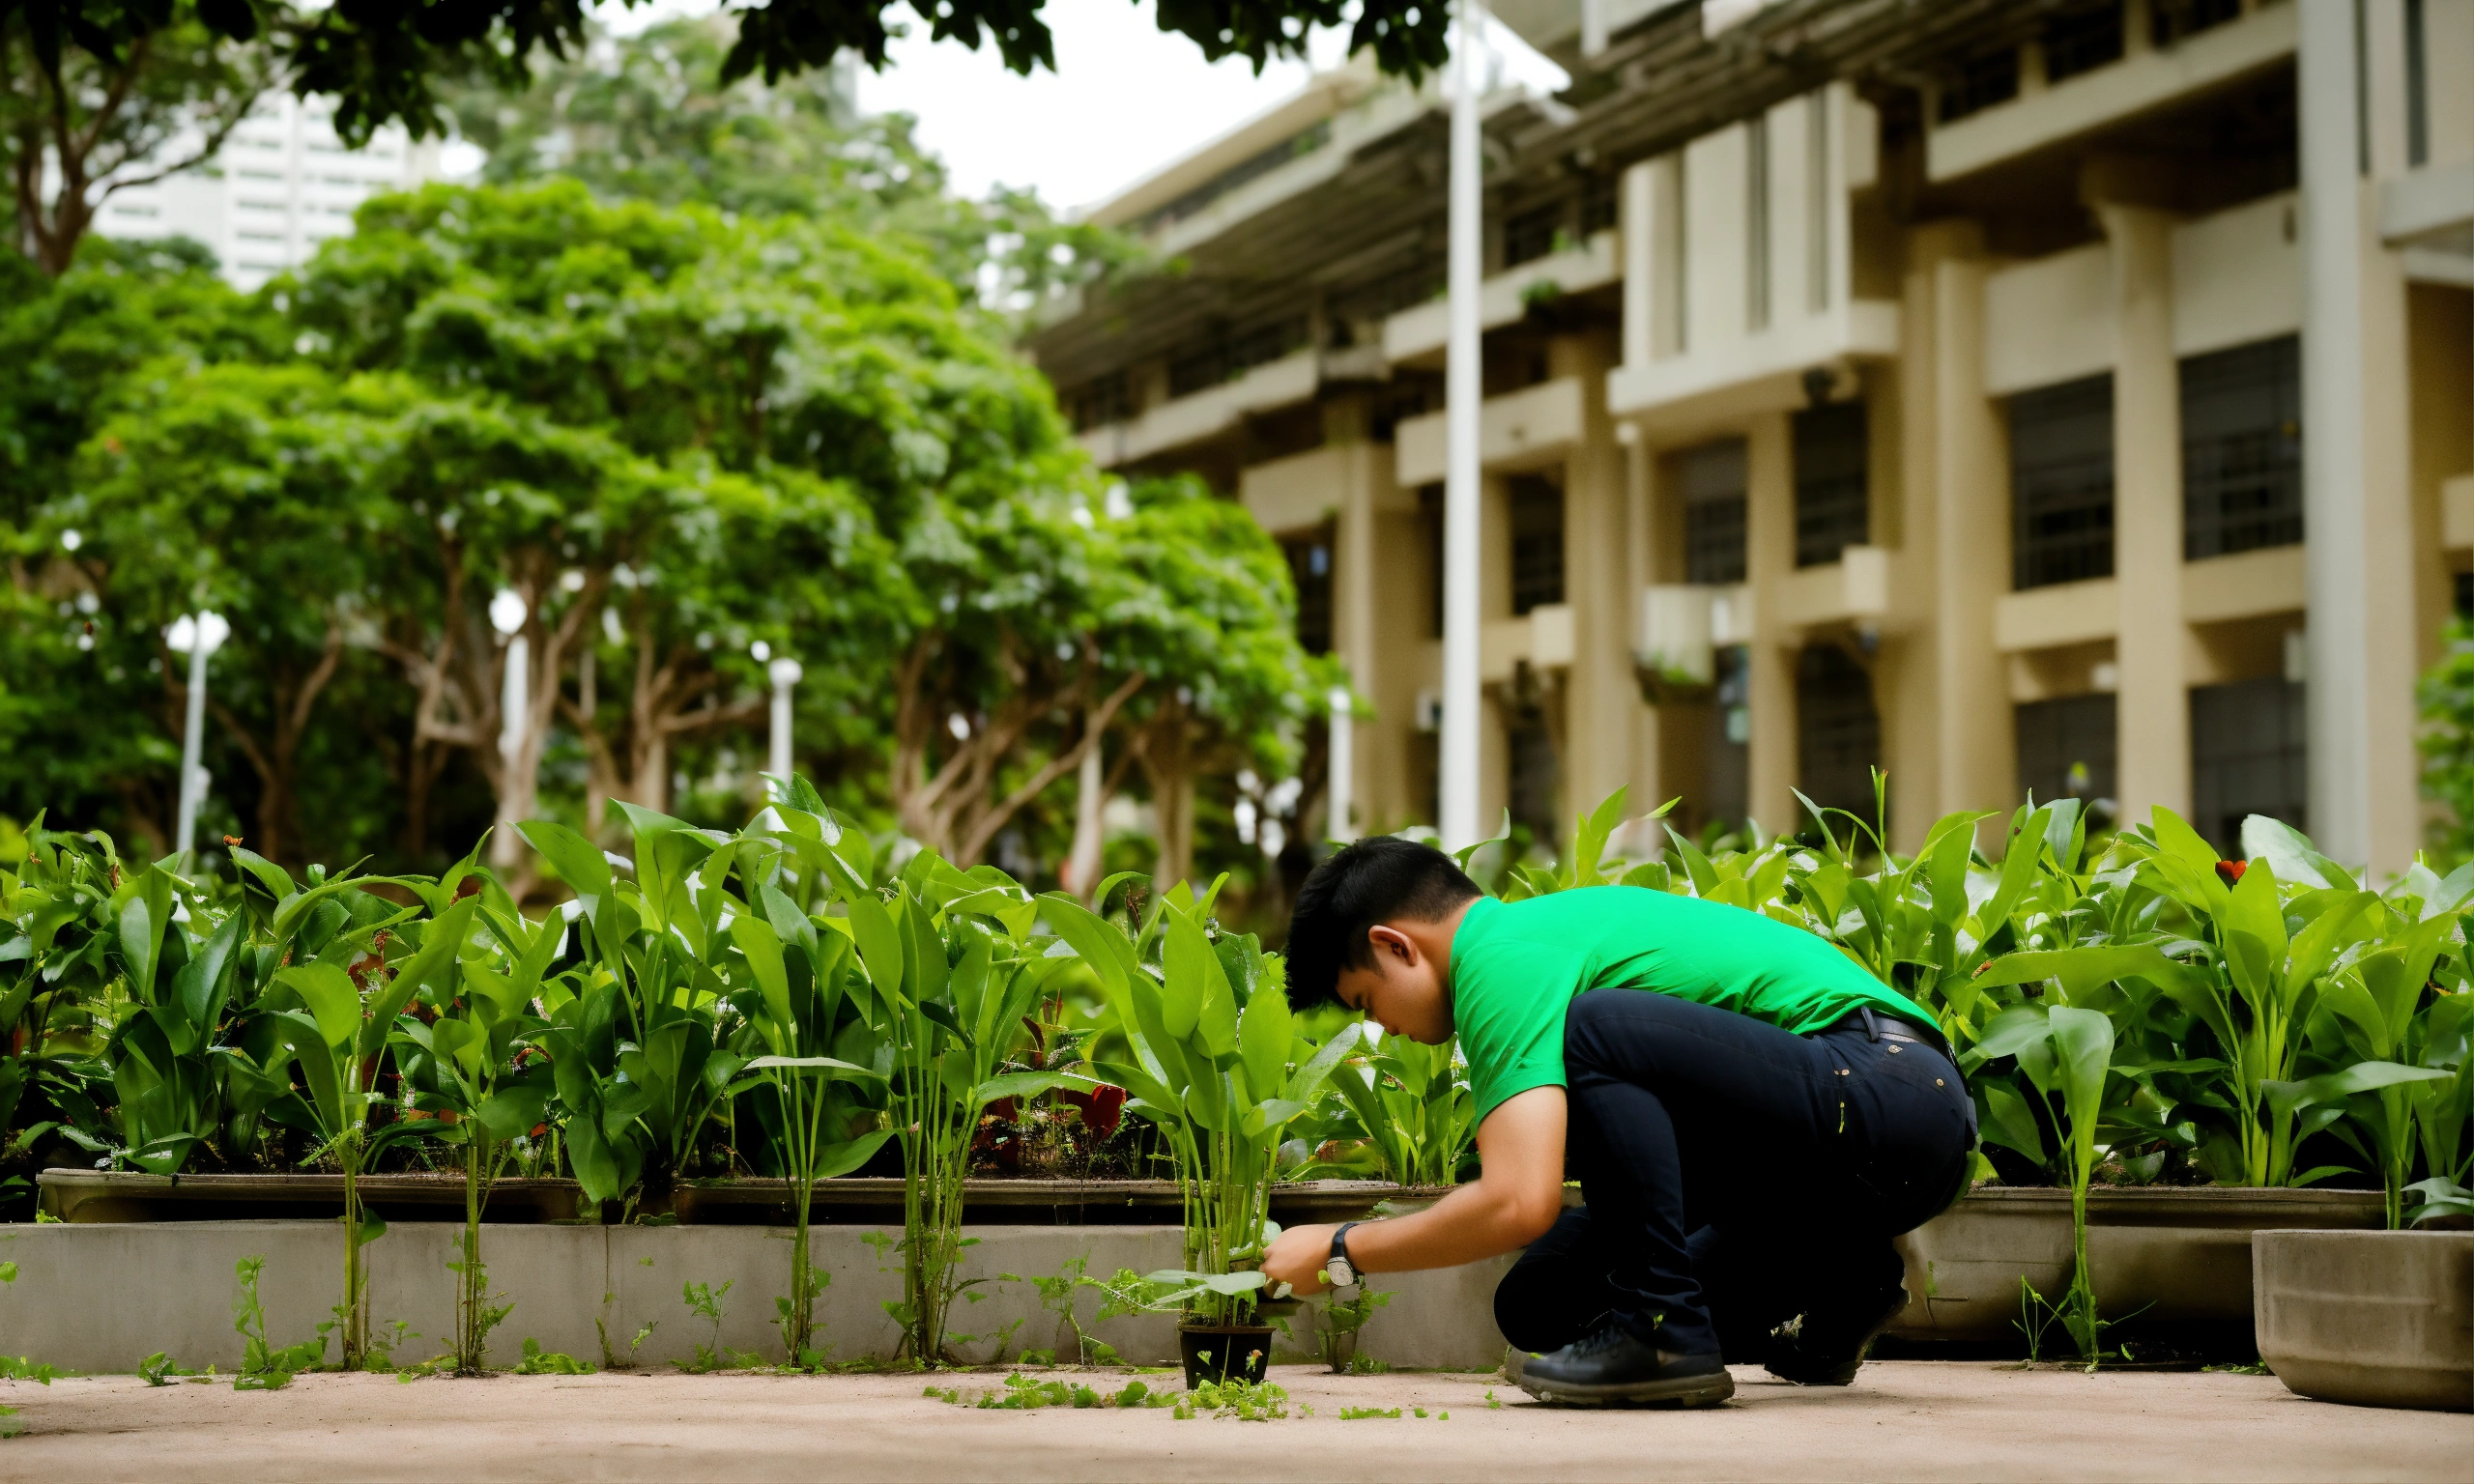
(1974, 726)
(1772, 763)
(2154, 725)
(2357, 508)
(1600, 696)
(1378, 622)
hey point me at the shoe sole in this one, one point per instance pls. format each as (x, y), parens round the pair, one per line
(1678, 1391)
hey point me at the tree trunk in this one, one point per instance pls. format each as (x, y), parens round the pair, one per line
(1080, 875)
(1167, 762)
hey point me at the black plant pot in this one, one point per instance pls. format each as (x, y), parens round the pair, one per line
(1224, 1353)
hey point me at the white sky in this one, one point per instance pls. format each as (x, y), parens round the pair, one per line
(1125, 99)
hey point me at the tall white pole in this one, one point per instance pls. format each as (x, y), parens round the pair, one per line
(1462, 387)
(1341, 780)
(785, 674)
(201, 635)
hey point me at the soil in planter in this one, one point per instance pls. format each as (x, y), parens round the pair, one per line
(1226, 1353)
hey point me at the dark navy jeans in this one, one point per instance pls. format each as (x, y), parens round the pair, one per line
(1734, 1175)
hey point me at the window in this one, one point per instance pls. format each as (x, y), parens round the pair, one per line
(2082, 41)
(1310, 569)
(1533, 776)
(1726, 745)
(1537, 543)
(1598, 208)
(2242, 449)
(1817, 183)
(2067, 748)
(2418, 88)
(2170, 21)
(2248, 757)
(1098, 403)
(1532, 233)
(2062, 483)
(1710, 479)
(1832, 512)
(1981, 82)
(1197, 370)
(1266, 343)
(1756, 225)
(1838, 734)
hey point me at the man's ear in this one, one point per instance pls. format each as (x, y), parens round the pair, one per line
(1392, 941)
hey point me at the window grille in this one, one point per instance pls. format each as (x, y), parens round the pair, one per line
(1598, 208)
(2248, 757)
(1098, 403)
(2242, 449)
(1531, 234)
(1980, 83)
(1712, 481)
(1309, 571)
(2062, 483)
(1833, 507)
(2067, 748)
(2079, 42)
(1838, 733)
(1726, 745)
(1533, 778)
(1537, 543)
(2170, 21)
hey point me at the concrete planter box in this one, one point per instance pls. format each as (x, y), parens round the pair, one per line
(91, 1196)
(101, 1296)
(2183, 1256)
(2380, 1319)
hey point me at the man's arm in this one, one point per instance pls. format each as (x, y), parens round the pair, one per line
(1516, 1197)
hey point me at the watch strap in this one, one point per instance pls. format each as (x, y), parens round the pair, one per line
(1340, 1251)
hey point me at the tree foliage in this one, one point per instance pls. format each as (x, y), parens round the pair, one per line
(383, 60)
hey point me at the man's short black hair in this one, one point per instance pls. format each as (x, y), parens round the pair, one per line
(1379, 880)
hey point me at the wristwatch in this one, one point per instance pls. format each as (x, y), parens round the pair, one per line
(1338, 1268)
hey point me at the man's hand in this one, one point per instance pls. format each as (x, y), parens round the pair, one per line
(1295, 1258)
(1516, 1197)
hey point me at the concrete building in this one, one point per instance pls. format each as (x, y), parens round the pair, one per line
(282, 183)
(2070, 397)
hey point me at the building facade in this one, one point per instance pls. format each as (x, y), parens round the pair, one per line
(2071, 397)
(282, 183)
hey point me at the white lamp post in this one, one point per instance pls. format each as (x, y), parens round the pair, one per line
(507, 612)
(785, 674)
(1338, 803)
(1462, 389)
(198, 636)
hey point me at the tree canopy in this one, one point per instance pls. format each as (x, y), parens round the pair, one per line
(383, 60)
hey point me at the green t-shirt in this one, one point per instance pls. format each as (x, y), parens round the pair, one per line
(1515, 967)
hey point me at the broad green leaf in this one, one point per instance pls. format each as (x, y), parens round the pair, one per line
(1263, 1037)
(1027, 1084)
(762, 948)
(580, 864)
(331, 999)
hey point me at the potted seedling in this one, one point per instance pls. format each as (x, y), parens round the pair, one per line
(1211, 1039)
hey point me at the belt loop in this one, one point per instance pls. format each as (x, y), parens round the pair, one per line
(1872, 1027)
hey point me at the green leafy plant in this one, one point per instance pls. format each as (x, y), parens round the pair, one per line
(704, 1301)
(264, 1365)
(1211, 1041)
(538, 1361)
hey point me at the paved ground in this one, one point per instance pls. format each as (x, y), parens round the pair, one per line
(1902, 1421)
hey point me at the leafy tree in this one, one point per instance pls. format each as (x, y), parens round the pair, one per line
(242, 489)
(1221, 631)
(144, 92)
(87, 727)
(646, 118)
(382, 59)
(2446, 741)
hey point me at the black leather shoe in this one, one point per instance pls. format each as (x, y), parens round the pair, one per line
(1611, 1366)
(1829, 1347)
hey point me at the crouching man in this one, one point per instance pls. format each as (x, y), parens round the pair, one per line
(1751, 1117)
